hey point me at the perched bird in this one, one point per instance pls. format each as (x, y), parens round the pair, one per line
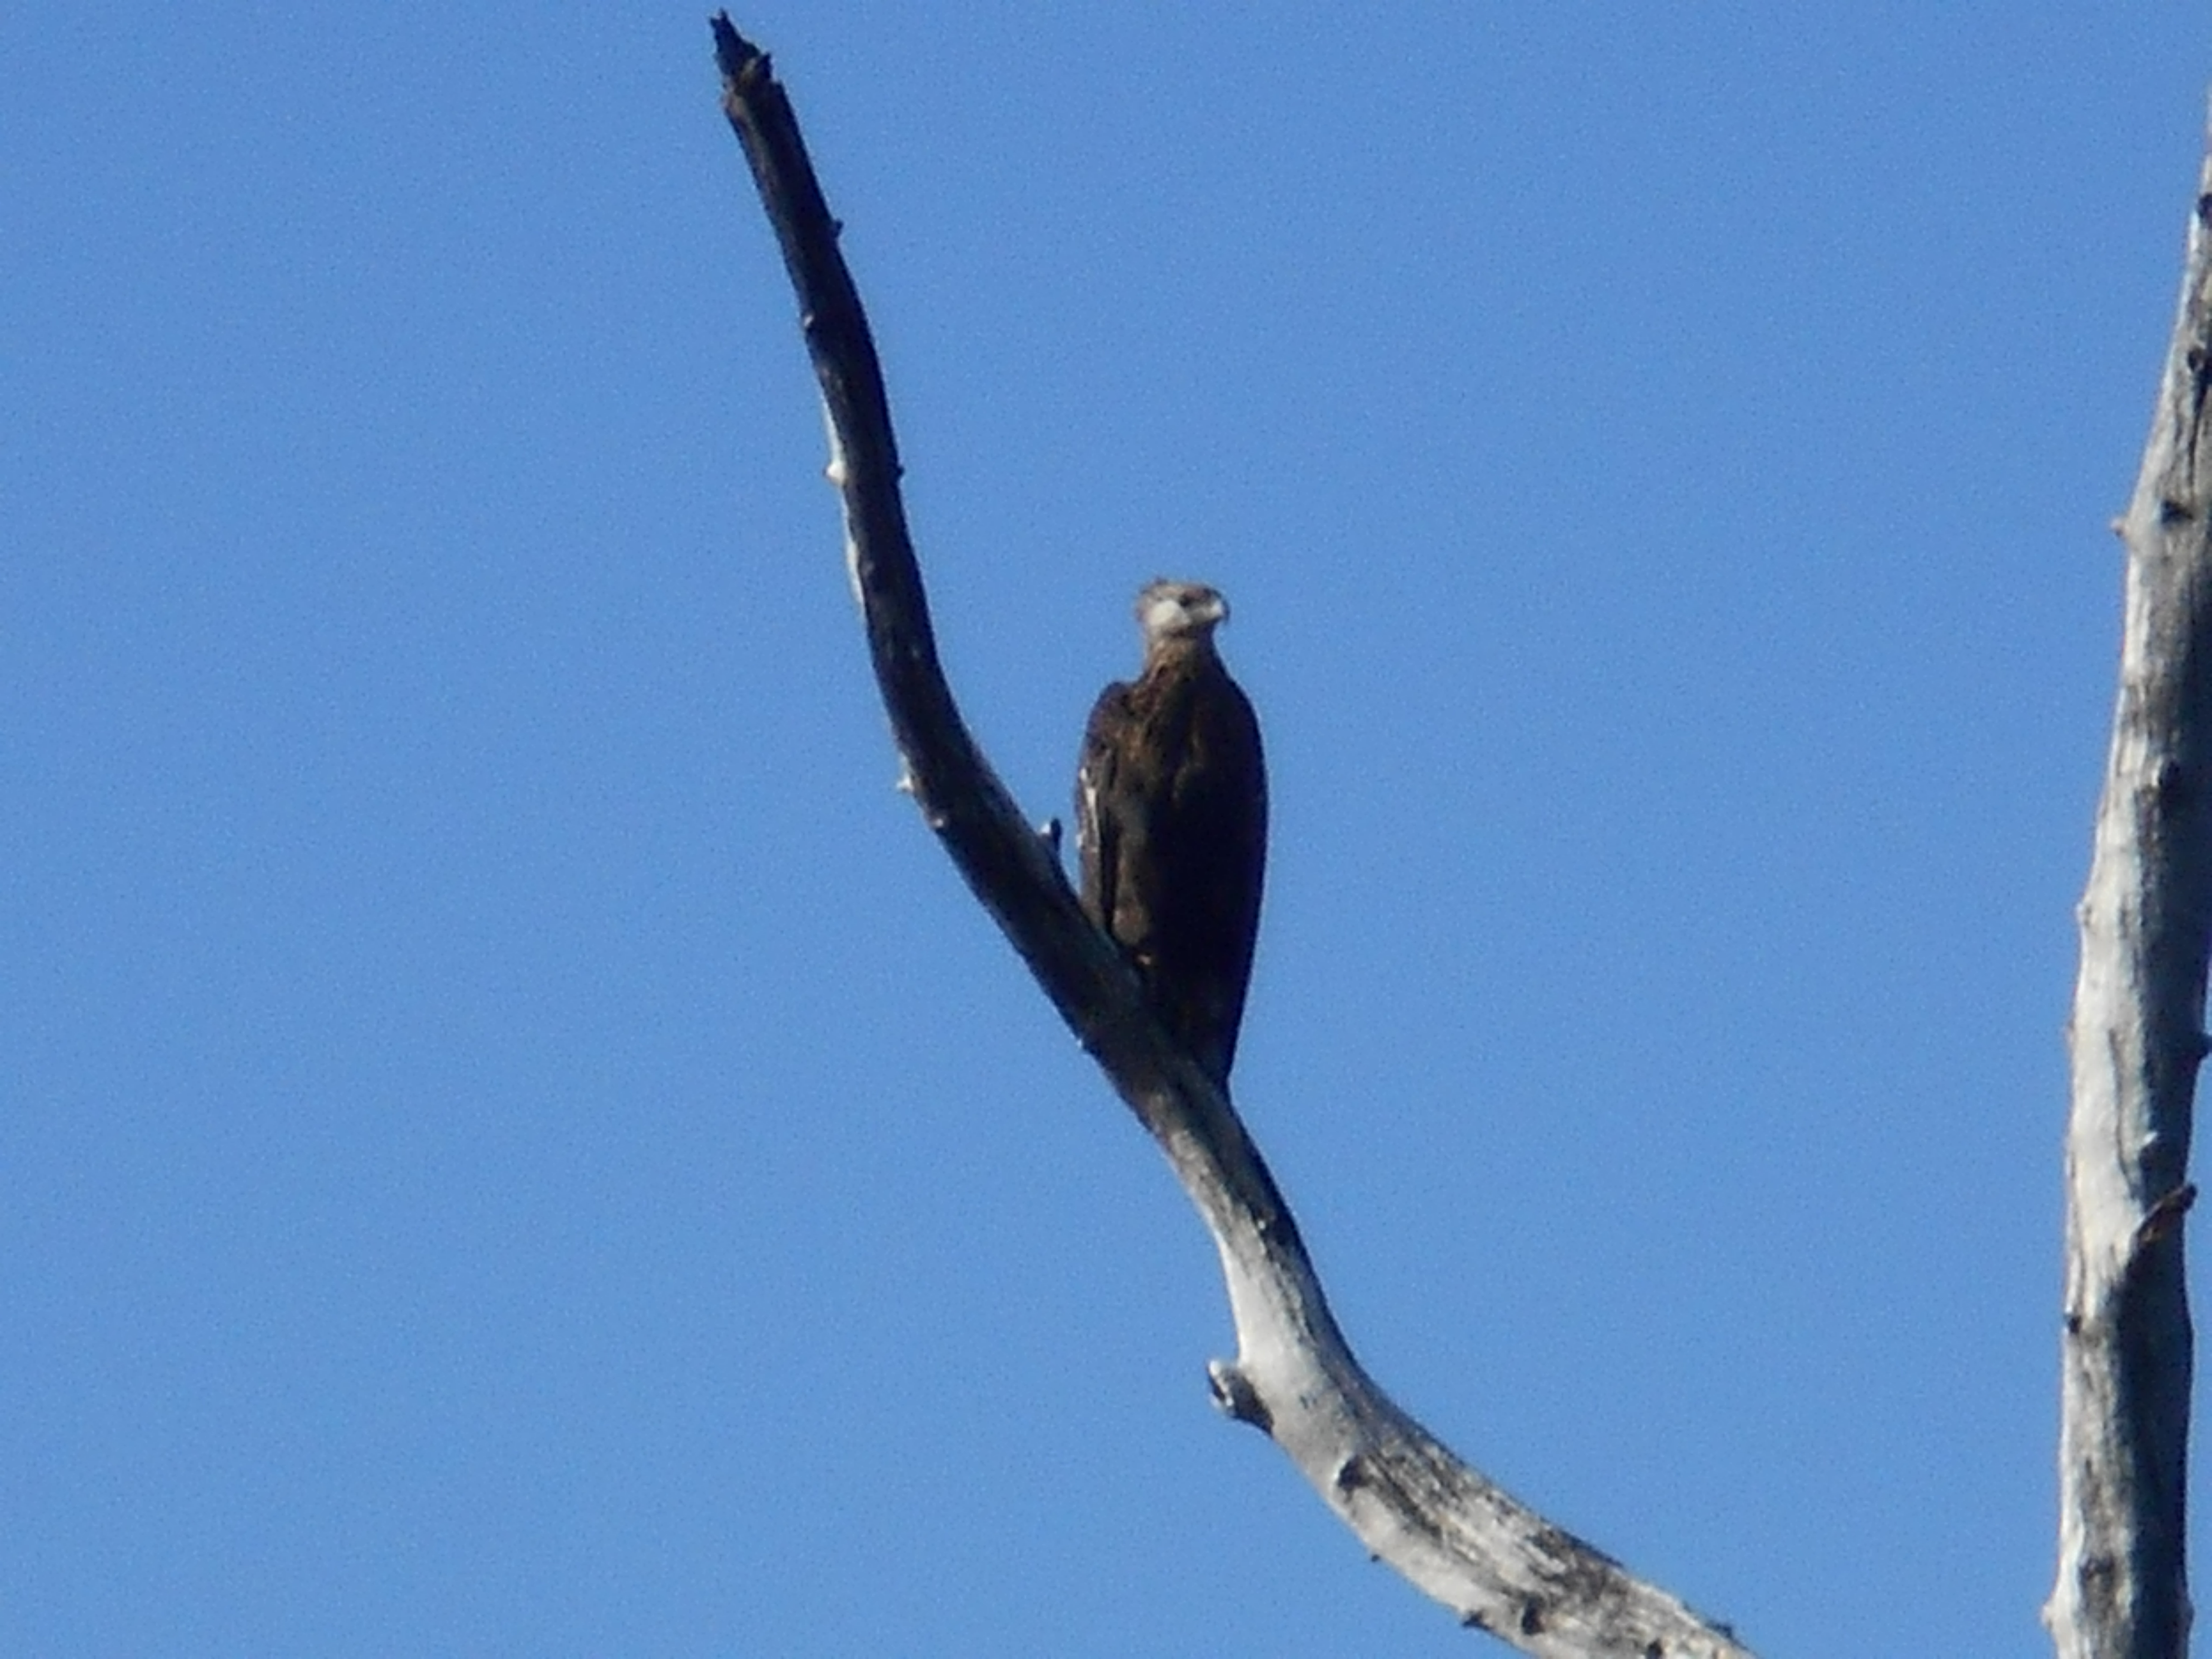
(1171, 822)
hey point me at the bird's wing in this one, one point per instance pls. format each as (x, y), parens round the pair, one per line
(1097, 853)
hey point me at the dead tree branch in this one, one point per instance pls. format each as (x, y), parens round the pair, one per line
(2137, 1036)
(1495, 1562)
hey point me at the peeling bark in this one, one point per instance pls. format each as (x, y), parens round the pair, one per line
(1498, 1565)
(2137, 1038)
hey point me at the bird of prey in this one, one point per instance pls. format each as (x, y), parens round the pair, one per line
(1171, 822)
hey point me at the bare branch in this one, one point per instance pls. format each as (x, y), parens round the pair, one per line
(1495, 1562)
(2137, 1038)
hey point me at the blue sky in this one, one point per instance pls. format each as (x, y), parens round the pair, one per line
(517, 1140)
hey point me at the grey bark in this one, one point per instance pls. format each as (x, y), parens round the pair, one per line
(2137, 1038)
(1494, 1562)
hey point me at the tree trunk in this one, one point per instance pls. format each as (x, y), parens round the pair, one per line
(2137, 1038)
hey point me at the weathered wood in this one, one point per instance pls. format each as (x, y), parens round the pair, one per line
(1497, 1565)
(2137, 1036)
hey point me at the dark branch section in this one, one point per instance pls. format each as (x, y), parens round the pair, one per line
(902, 642)
(1497, 1565)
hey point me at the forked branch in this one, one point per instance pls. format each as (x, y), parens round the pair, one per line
(1495, 1562)
(2137, 1035)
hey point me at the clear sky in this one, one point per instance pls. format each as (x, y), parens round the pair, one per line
(516, 1141)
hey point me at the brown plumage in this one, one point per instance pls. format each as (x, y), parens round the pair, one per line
(1171, 822)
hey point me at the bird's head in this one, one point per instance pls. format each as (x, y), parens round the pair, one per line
(1170, 611)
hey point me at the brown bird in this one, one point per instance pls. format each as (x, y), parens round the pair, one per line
(1171, 822)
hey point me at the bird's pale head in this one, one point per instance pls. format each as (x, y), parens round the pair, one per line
(1180, 610)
